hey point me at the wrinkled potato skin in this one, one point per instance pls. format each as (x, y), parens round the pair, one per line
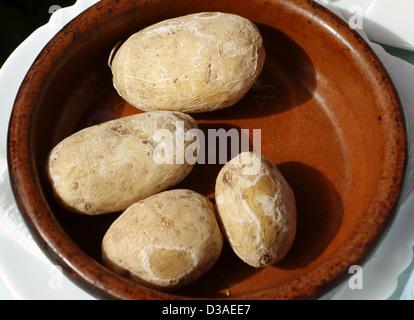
(257, 211)
(107, 167)
(195, 63)
(165, 241)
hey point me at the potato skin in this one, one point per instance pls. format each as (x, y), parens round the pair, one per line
(257, 211)
(195, 63)
(165, 241)
(107, 167)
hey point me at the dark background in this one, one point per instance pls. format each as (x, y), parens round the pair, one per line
(19, 18)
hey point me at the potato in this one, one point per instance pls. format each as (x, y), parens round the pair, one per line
(195, 63)
(165, 241)
(257, 209)
(108, 167)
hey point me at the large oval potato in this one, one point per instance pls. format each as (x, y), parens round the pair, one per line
(165, 241)
(257, 209)
(107, 167)
(195, 63)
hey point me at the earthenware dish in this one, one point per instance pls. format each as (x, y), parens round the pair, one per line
(329, 117)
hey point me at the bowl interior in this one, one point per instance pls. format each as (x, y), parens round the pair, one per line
(328, 117)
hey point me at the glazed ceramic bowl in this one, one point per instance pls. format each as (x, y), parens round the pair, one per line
(329, 117)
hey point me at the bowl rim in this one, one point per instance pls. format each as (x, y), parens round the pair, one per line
(62, 251)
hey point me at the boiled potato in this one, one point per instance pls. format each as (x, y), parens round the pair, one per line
(107, 167)
(165, 241)
(195, 63)
(257, 209)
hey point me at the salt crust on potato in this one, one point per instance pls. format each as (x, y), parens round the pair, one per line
(108, 167)
(165, 241)
(257, 209)
(194, 63)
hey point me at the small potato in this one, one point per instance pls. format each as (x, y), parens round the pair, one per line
(165, 241)
(108, 167)
(257, 209)
(195, 63)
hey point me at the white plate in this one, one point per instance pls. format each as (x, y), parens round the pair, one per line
(384, 21)
(29, 275)
(25, 271)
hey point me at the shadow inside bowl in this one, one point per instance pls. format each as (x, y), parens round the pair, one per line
(287, 80)
(221, 143)
(319, 213)
(84, 230)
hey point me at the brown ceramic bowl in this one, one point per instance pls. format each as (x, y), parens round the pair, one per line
(329, 116)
